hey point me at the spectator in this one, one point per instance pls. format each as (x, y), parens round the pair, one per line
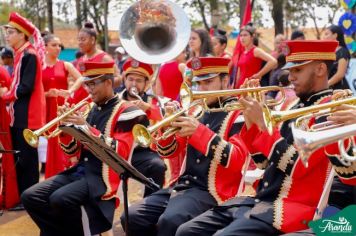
(339, 68)
(297, 35)
(251, 59)
(120, 57)
(7, 58)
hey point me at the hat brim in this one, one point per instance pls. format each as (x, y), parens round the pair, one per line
(8, 26)
(91, 78)
(137, 73)
(290, 65)
(204, 77)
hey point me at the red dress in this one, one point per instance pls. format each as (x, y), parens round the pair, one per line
(248, 65)
(81, 93)
(54, 77)
(9, 196)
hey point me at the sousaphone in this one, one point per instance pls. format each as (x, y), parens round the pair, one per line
(155, 31)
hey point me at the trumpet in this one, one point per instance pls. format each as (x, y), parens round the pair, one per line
(272, 118)
(144, 136)
(306, 142)
(32, 137)
(187, 96)
(134, 92)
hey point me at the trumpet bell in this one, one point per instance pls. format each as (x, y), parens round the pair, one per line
(154, 31)
(306, 142)
(142, 135)
(31, 138)
(186, 95)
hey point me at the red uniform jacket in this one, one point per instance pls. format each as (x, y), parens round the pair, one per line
(289, 192)
(217, 143)
(26, 95)
(113, 122)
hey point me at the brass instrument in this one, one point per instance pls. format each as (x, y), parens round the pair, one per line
(154, 31)
(187, 96)
(134, 92)
(272, 118)
(32, 137)
(144, 136)
(307, 142)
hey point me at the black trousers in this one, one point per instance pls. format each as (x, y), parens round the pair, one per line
(226, 220)
(341, 195)
(150, 165)
(26, 161)
(164, 211)
(54, 205)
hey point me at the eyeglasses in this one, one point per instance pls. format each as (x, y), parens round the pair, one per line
(11, 31)
(92, 84)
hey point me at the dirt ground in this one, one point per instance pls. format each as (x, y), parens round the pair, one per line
(20, 224)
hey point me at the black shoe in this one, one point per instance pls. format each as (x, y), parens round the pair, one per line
(18, 207)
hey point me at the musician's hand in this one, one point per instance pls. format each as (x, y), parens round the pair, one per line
(187, 125)
(142, 105)
(253, 113)
(171, 107)
(341, 94)
(343, 114)
(75, 118)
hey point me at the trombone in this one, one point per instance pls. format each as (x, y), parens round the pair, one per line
(306, 142)
(272, 118)
(32, 137)
(187, 96)
(144, 136)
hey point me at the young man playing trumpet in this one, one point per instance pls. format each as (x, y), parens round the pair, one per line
(137, 78)
(214, 156)
(54, 204)
(288, 195)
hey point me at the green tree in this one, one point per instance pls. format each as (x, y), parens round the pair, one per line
(298, 13)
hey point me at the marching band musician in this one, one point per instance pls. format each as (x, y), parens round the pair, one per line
(137, 78)
(288, 195)
(211, 172)
(25, 97)
(54, 204)
(87, 43)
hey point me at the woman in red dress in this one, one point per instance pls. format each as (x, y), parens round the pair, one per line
(87, 41)
(55, 75)
(9, 196)
(251, 59)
